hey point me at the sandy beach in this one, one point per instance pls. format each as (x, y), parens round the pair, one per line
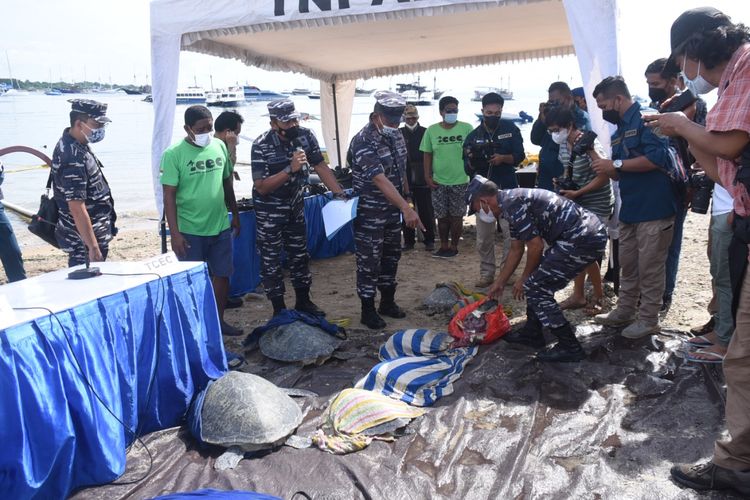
(334, 280)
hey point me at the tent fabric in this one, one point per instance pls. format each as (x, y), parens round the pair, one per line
(350, 39)
(57, 434)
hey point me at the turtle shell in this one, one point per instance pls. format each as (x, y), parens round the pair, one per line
(244, 410)
(298, 342)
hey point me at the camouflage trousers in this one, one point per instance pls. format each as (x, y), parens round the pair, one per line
(281, 226)
(377, 242)
(561, 263)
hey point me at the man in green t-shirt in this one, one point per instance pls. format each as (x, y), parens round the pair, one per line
(196, 174)
(442, 146)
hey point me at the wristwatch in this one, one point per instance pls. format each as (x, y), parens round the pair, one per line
(288, 170)
(617, 164)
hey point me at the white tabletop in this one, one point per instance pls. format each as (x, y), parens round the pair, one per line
(58, 293)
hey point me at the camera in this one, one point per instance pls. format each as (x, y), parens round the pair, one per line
(482, 151)
(680, 102)
(583, 144)
(703, 187)
(565, 184)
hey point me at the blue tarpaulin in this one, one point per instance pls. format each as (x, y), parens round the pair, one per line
(56, 435)
(246, 276)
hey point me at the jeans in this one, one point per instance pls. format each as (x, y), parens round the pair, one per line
(721, 236)
(10, 253)
(673, 257)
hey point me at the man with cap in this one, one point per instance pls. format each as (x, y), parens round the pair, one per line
(413, 133)
(714, 52)
(281, 159)
(378, 154)
(576, 238)
(493, 150)
(579, 97)
(87, 216)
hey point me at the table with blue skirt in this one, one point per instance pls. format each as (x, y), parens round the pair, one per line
(132, 348)
(246, 276)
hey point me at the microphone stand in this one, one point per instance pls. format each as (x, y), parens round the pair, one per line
(78, 274)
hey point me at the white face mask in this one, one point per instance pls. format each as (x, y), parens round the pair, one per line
(203, 140)
(697, 85)
(560, 136)
(487, 217)
(411, 127)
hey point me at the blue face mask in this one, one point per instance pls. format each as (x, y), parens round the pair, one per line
(451, 117)
(97, 134)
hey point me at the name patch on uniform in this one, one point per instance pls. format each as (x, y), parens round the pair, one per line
(505, 136)
(631, 133)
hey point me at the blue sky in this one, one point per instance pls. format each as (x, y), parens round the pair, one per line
(109, 40)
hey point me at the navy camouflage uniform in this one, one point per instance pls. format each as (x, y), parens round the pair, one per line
(77, 176)
(377, 228)
(280, 215)
(575, 236)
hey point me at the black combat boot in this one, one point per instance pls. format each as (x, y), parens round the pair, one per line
(370, 316)
(388, 305)
(278, 304)
(567, 349)
(529, 334)
(304, 304)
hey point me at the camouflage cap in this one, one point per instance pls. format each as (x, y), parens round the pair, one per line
(410, 111)
(283, 110)
(95, 109)
(472, 189)
(389, 99)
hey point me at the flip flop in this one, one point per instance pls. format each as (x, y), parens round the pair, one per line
(715, 359)
(699, 341)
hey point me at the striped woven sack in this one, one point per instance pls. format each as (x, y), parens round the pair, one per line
(418, 367)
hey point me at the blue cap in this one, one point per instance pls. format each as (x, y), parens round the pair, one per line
(578, 92)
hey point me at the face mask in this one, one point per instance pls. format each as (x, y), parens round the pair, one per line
(560, 136)
(203, 140)
(491, 121)
(411, 127)
(97, 134)
(290, 133)
(657, 94)
(697, 85)
(451, 117)
(612, 116)
(487, 217)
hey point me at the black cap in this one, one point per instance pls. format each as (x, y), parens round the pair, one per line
(471, 191)
(694, 22)
(95, 109)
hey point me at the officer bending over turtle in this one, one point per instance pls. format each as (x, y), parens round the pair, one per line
(576, 238)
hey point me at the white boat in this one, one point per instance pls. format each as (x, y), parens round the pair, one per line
(229, 98)
(191, 95)
(313, 95)
(480, 92)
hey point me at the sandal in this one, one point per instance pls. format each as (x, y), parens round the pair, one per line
(704, 329)
(594, 307)
(713, 359)
(700, 341)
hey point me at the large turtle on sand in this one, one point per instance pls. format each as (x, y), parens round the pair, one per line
(244, 412)
(299, 342)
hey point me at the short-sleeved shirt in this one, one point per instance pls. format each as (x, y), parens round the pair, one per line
(646, 196)
(505, 139)
(447, 149)
(600, 201)
(77, 176)
(374, 153)
(732, 112)
(539, 212)
(198, 174)
(271, 155)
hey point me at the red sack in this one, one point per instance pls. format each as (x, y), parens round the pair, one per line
(469, 327)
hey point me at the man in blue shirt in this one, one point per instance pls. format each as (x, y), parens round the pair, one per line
(640, 160)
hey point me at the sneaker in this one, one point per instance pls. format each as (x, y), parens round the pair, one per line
(484, 282)
(615, 317)
(229, 330)
(429, 247)
(640, 329)
(451, 253)
(710, 476)
(442, 254)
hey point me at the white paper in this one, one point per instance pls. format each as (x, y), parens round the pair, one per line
(337, 213)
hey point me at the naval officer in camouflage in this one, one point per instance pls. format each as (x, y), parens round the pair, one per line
(378, 154)
(576, 238)
(280, 161)
(87, 216)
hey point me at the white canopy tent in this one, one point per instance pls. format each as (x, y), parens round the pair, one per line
(338, 41)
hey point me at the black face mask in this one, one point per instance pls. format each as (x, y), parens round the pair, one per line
(291, 133)
(657, 94)
(612, 116)
(491, 121)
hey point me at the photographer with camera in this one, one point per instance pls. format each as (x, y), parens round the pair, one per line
(715, 52)
(662, 78)
(584, 186)
(493, 150)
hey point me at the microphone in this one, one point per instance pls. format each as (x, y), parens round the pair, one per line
(78, 274)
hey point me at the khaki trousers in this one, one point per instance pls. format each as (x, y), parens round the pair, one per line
(486, 245)
(643, 253)
(735, 453)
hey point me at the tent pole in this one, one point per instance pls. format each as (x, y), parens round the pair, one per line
(336, 124)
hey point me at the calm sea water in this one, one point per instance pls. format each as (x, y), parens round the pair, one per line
(37, 121)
